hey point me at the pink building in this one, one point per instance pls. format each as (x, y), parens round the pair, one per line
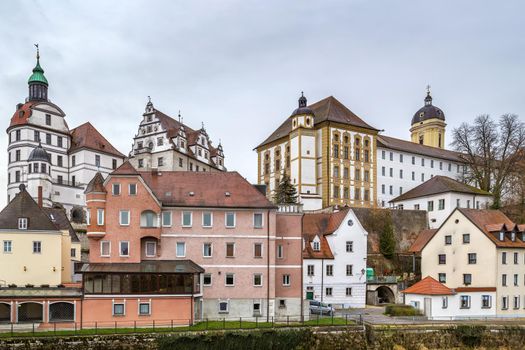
(231, 252)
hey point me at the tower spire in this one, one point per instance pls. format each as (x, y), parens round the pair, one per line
(37, 81)
(428, 98)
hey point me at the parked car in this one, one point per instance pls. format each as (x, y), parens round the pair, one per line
(316, 307)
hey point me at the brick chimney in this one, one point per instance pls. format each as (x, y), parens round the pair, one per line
(40, 200)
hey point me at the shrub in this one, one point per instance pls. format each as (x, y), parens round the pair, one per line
(29, 285)
(470, 335)
(44, 286)
(12, 285)
(401, 310)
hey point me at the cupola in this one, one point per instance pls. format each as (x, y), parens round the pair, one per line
(37, 81)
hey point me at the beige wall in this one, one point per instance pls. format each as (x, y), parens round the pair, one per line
(38, 267)
(483, 272)
(510, 290)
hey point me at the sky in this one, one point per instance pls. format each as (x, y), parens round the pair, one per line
(240, 66)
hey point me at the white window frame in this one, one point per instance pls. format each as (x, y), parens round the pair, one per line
(120, 217)
(329, 268)
(182, 218)
(129, 189)
(351, 269)
(351, 245)
(204, 250)
(257, 312)
(262, 220)
(100, 217)
(120, 249)
(170, 218)
(88, 217)
(123, 303)
(39, 247)
(211, 219)
(22, 223)
(211, 280)
(261, 277)
(286, 280)
(4, 245)
(140, 303)
(116, 185)
(262, 250)
(280, 251)
(109, 249)
(177, 249)
(149, 243)
(226, 219)
(316, 246)
(226, 277)
(312, 267)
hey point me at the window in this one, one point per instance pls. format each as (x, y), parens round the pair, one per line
(441, 204)
(144, 308)
(486, 301)
(151, 249)
(100, 217)
(516, 302)
(464, 302)
(472, 258)
(329, 270)
(60, 179)
(105, 248)
(280, 251)
(504, 258)
(444, 302)
(422, 161)
(448, 240)
(37, 136)
(413, 176)
(336, 171)
(8, 246)
(391, 172)
(124, 248)
(257, 250)
(22, 223)
(160, 161)
(97, 160)
(48, 119)
(230, 250)
(73, 252)
(114, 164)
(230, 219)
(336, 151)
(516, 280)
(286, 280)
(258, 220)
(186, 218)
(432, 163)
(391, 156)
(257, 279)
(442, 258)
(391, 190)
(124, 218)
(37, 247)
(224, 307)
(400, 158)
(48, 139)
(422, 177)
(383, 154)
(207, 250)
(310, 270)
(159, 141)
(116, 189)
(17, 156)
(516, 258)
(505, 303)
(400, 173)
(466, 238)
(349, 270)
(383, 170)
(118, 309)
(141, 163)
(348, 291)
(229, 280)
(181, 249)
(207, 279)
(59, 141)
(316, 246)
(207, 219)
(467, 279)
(282, 303)
(166, 218)
(328, 291)
(504, 280)
(416, 206)
(442, 277)
(349, 246)
(430, 205)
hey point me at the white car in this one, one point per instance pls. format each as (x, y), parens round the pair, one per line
(316, 307)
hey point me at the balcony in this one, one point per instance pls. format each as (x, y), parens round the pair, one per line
(290, 208)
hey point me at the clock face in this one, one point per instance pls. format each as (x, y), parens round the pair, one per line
(350, 222)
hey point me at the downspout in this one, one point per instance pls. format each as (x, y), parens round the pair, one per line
(322, 278)
(192, 298)
(302, 270)
(268, 265)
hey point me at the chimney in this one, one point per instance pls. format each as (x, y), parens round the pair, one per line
(40, 201)
(18, 106)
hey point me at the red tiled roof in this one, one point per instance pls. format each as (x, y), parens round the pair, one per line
(439, 184)
(21, 115)
(86, 136)
(412, 147)
(328, 109)
(428, 286)
(421, 241)
(474, 289)
(205, 189)
(321, 225)
(125, 169)
(96, 184)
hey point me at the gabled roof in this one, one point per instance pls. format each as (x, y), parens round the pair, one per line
(125, 169)
(412, 147)
(321, 225)
(327, 109)
(24, 206)
(204, 189)
(59, 217)
(86, 136)
(439, 184)
(428, 286)
(96, 184)
(422, 239)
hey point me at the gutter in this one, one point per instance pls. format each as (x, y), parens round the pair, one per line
(267, 265)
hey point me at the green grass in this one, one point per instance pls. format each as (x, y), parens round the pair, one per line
(201, 326)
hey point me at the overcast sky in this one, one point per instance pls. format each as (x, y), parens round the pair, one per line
(239, 66)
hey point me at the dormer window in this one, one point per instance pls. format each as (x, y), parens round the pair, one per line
(22, 223)
(502, 236)
(316, 246)
(513, 236)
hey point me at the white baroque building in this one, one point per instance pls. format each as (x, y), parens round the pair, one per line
(45, 155)
(163, 143)
(334, 258)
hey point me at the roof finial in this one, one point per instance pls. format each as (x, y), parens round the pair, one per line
(179, 115)
(428, 89)
(37, 52)
(149, 99)
(428, 98)
(302, 100)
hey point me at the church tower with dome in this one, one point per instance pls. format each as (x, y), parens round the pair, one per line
(428, 125)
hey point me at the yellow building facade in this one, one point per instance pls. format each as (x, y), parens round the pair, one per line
(328, 152)
(428, 125)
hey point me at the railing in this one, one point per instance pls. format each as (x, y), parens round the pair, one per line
(174, 325)
(67, 183)
(290, 208)
(381, 279)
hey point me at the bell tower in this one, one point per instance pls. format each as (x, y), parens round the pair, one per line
(428, 124)
(37, 81)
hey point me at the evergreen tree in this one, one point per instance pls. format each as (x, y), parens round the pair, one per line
(387, 240)
(285, 192)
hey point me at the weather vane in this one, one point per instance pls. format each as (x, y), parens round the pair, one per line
(37, 51)
(428, 89)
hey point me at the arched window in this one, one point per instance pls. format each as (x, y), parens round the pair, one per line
(148, 218)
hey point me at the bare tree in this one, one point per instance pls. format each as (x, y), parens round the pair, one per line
(491, 151)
